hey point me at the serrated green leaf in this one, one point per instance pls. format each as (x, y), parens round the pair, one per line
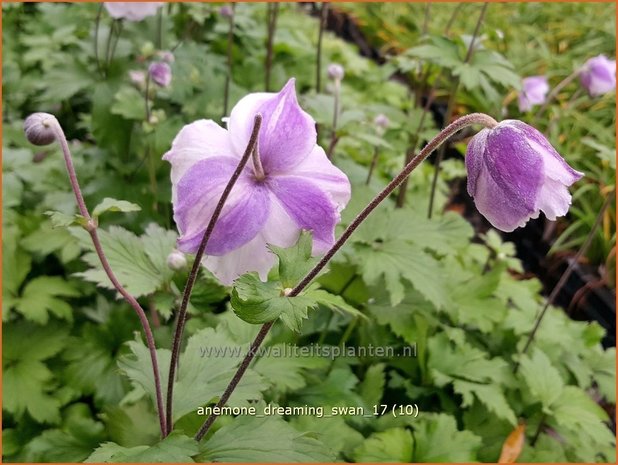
(62, 220)
(295, 261)
(392, 445)
(112, 205)
(542, 379)
(437, 439)
(372, 386)
(40, 298)
(269, 439)
(176, 448)
(129, 104)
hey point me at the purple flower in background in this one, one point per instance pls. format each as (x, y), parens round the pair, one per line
(514, 173)
(226, 11)
(335, 72)
(298, 187)
(381, 121)
(132, 11)
(137, 77)
(160, 73)
(598, 75)
(534, 91)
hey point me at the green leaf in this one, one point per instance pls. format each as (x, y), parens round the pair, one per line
(392, 445)
(263, 440)
(40, 297)
(332, 301)
(256, 302)
(206, 367)
(175, 448)
(28, 382)
(62, 220)
(15, 268)
(112, 205)
(139, 267)
(129, 104)
(131, 425)
(372, 387)
(286, 371)
(295, 261)
(437, 439)
(574, 410)
(542, 379)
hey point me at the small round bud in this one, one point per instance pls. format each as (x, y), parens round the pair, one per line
(381, 121)
(160, 73)
(226, 11)
(166, 56)
(335, 72)
(176, 260)
(38, 128)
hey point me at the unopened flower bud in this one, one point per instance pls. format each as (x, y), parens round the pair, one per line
(166, 56)
(335, 72)
(38, 128)
(381, 121)
(226, 11)
(598, 75)
(160, 73)
(176, 260)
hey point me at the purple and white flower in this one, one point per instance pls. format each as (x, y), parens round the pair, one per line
(514, 173)
(534, 92)
(160, 73)
(132, 11)
(298, 188)
(598, 75)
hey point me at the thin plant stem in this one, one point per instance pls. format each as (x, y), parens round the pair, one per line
(108, 43)
(230, 49)
(97, 26)
(318, 61)
(115, 38)
(332, 314)
(182, 312)
(426, 18)
(415, 139)
(344, 338)
(556, 90)
(91, 227)
(567, 273)
(147, 98)
(159, 38)
(372, 166)
(451, 107)
(454, 127)
(334, 138)
(273, 11)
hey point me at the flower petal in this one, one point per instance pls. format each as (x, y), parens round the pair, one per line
(318, 169)
(503, 210)
(474, 158)
(309, 207)
(198, 193)
(287, 134)
(279, 230)
(197, 141)
(554, 199)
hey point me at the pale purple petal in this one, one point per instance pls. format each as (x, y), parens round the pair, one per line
(160, 73)
(554, 199)
(279, 230)
(474, 159)
(198, 192)
(309, 207)
(598, 75)
(132, 11)
(197, 141)
(534, 92)
(287, 135)
(318, 169)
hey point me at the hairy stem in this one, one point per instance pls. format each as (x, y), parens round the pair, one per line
(451, 107)
(455, 126)
(273, 12)
(567, 273)
(182, 312)
(230, 49)
(318, 61)
(92, 231)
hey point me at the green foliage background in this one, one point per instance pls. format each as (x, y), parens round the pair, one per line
(77, 380)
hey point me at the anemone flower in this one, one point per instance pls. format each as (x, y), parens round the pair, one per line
(289, 186)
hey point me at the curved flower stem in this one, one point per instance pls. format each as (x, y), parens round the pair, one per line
(182, 312)
(556, 90)
(91, 227)
(455, 126)
(230, 47)
(318, 66)
(567, 273)
(97, 26)
(451, 107)
(272, 13)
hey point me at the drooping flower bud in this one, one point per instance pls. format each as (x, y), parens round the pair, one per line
(226, 11)
(534, 92)
(514, 173)
(38, 129)
(166, 56)
(598, 76)
(381, 121)
(160, 73)
(335, 72)
(176, 260)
